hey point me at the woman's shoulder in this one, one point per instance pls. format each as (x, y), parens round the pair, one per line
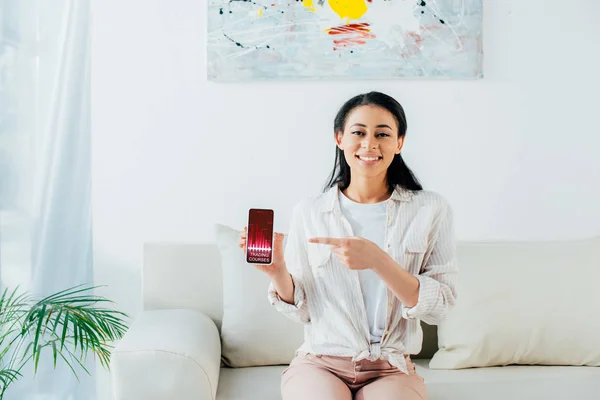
(319, 201)
(431, 198)
(311, 202)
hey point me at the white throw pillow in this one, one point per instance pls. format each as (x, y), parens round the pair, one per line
(524, 303)
(253, 333)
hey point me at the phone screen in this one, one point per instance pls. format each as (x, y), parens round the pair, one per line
(259, 242)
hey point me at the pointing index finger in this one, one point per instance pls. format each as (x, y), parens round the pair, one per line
(326, 240)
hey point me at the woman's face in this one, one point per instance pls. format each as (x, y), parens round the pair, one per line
(369, 141)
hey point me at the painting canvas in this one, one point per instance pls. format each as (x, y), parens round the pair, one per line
(356, 39)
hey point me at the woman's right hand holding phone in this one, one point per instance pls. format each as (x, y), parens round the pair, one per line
(277, 271)
(278, 266)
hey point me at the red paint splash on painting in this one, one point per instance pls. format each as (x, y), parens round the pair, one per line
(354, 34)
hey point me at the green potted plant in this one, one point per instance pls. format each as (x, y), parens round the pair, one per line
(69, 325)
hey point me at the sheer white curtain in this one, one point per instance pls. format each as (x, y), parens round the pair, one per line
(45, 179)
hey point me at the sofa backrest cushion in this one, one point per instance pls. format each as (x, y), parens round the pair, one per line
(524, 303)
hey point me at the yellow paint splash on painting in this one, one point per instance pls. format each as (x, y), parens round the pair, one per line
(348, 9)
(309, 5)
(260, 12)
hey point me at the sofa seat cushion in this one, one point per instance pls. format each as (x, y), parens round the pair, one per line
(511, 382)
(251, 383)
(494, 383)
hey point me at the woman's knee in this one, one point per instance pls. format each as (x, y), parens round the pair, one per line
(303, 381)
(394, 387)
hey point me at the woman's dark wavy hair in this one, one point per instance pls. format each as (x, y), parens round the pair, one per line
(398, 172)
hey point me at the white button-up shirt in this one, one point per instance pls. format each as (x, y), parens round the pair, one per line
(419, 236)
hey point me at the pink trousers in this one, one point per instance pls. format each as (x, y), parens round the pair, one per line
(317, 377)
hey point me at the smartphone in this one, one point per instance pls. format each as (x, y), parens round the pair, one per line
(259, 239)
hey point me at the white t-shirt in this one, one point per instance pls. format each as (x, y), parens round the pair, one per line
(368, 221)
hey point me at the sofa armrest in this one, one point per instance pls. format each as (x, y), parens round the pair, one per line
(167, 354)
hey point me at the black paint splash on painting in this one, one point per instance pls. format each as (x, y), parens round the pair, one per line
(423, 3)
(239, 44)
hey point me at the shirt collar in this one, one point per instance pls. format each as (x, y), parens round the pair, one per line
(330, 199)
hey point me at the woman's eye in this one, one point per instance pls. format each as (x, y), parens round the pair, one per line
(362, 133)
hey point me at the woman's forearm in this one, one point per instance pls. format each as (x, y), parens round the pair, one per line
(284, 285)
(402, 283)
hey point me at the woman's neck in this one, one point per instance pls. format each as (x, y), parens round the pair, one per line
(367, 191)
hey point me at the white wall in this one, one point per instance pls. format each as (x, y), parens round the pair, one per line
(515, 153)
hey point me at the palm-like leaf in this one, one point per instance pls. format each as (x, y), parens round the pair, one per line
(7, 376)
(71, 323)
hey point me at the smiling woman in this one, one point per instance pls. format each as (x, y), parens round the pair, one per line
(369, 131)
(364, 262)
(369, 141)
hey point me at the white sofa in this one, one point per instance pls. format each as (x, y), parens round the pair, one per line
(173, 349)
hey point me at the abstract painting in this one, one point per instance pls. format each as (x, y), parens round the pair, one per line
(351, 39)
